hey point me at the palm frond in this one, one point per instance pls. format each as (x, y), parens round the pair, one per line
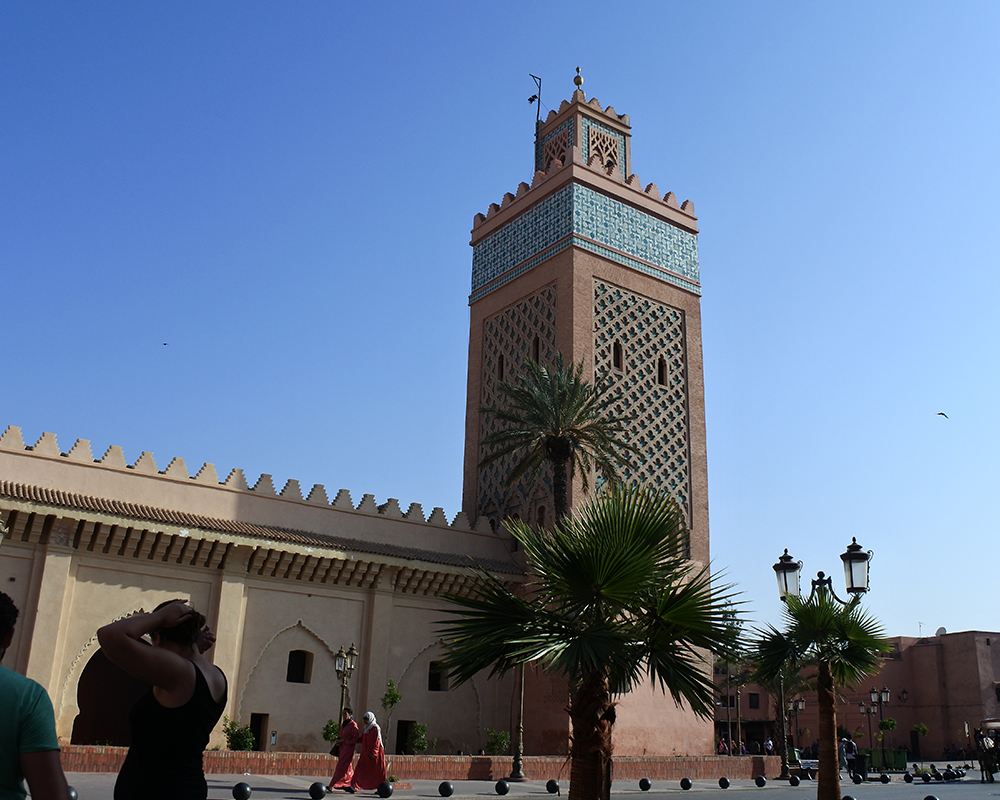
(609, 591)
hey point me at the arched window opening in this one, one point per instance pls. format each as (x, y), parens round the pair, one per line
(300, 664)
(540, 517)
(661, 371)
(437, 677)
(617, 356)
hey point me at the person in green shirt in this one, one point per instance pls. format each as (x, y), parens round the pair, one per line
(29, 749)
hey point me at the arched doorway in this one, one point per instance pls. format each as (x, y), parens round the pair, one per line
(105, 695)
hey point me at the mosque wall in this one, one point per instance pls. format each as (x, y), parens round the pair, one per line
(88, 543)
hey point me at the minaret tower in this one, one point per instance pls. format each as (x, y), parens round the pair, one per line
(588, 262)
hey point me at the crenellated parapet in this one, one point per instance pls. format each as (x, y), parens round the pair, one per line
(177, 472)
(526, 194)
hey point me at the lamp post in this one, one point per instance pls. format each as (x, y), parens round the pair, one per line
(868, 711)
(517, 764)
(797, 705)
(344, 663)
(787, 570)
(882, 698)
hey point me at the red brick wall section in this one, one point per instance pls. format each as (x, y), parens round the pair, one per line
(80, 758)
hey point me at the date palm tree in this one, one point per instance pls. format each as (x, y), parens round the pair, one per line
(610, 601)
(552, 416)
(844, 642)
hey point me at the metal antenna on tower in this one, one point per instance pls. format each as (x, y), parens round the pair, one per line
(537, 98)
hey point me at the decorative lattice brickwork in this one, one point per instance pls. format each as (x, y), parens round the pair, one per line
(554, 146)
(509, 338)
(604, 147)
(610, 144)
(651, 392)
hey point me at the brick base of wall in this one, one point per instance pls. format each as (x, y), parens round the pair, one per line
(81, 758)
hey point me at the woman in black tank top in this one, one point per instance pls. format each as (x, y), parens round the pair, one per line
(172, 722)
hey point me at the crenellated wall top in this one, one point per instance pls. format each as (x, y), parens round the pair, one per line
(648, 198)
(593, 104)
(176, 471)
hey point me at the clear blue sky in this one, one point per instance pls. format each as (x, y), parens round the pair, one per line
(283, 193)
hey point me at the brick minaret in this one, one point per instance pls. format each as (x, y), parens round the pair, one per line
(589, 262)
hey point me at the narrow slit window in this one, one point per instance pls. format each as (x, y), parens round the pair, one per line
(617, 356)
(500, 367)
(536, 350)
(540, 517)
(661, 371)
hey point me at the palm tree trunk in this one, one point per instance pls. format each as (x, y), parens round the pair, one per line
(560, 493)
(592, 714)
(828, 787)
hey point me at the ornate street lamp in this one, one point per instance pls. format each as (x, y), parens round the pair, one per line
(799, 704)
(855, 572)
(881, 698)
(787, 571)
(868, 711)
(344, 663)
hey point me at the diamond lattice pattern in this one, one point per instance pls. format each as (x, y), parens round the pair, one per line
(511, 335)
(647, 331)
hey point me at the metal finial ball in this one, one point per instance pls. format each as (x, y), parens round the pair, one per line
(578, 80)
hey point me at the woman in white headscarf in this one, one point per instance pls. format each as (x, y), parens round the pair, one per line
(371, 767)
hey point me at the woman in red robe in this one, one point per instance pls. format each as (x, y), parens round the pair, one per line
(371, 766)
(349, 737)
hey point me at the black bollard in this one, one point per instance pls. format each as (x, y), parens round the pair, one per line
(552, 786)
(645, 785)
(446, 789)
(685, 783)
(502, 787)
(793, 780)
(316, 790)
(760, 780)
(384, 789)
(242, 791)
(723, 782)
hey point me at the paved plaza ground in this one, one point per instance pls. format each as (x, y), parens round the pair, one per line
(100, 786)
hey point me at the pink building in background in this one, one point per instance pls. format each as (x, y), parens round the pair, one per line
(948, 682)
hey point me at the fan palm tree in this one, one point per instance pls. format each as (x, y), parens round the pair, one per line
(844, 642)
(552, 416)
(610, 601)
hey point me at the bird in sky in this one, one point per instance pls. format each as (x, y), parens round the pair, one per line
(942, 414)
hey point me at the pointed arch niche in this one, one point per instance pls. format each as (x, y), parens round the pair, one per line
(295, 710)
